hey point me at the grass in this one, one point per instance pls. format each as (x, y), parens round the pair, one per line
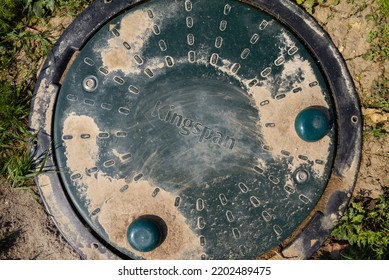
(380, 97)
(22, 48)
(72, 7)
(15, 162)
(376, 131)
(378, 53)
(309, 5)
(365, 226)
(377, 101)
(379, 37)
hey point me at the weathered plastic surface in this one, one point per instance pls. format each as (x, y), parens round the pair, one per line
(185, 110)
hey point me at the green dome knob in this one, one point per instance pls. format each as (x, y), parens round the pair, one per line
(144, 235)
(312, 124)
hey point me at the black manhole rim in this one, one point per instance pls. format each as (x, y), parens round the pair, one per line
(312, 231)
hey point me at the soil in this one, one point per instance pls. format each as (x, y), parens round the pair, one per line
(27, 232)
(347, 25)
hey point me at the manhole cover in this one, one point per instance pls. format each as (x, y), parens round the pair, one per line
(195, 130)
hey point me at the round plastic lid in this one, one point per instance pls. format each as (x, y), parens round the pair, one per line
(214, 117)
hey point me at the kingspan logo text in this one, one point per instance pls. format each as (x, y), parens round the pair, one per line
(189, 126)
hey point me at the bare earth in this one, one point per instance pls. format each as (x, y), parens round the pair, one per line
(35, 236)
